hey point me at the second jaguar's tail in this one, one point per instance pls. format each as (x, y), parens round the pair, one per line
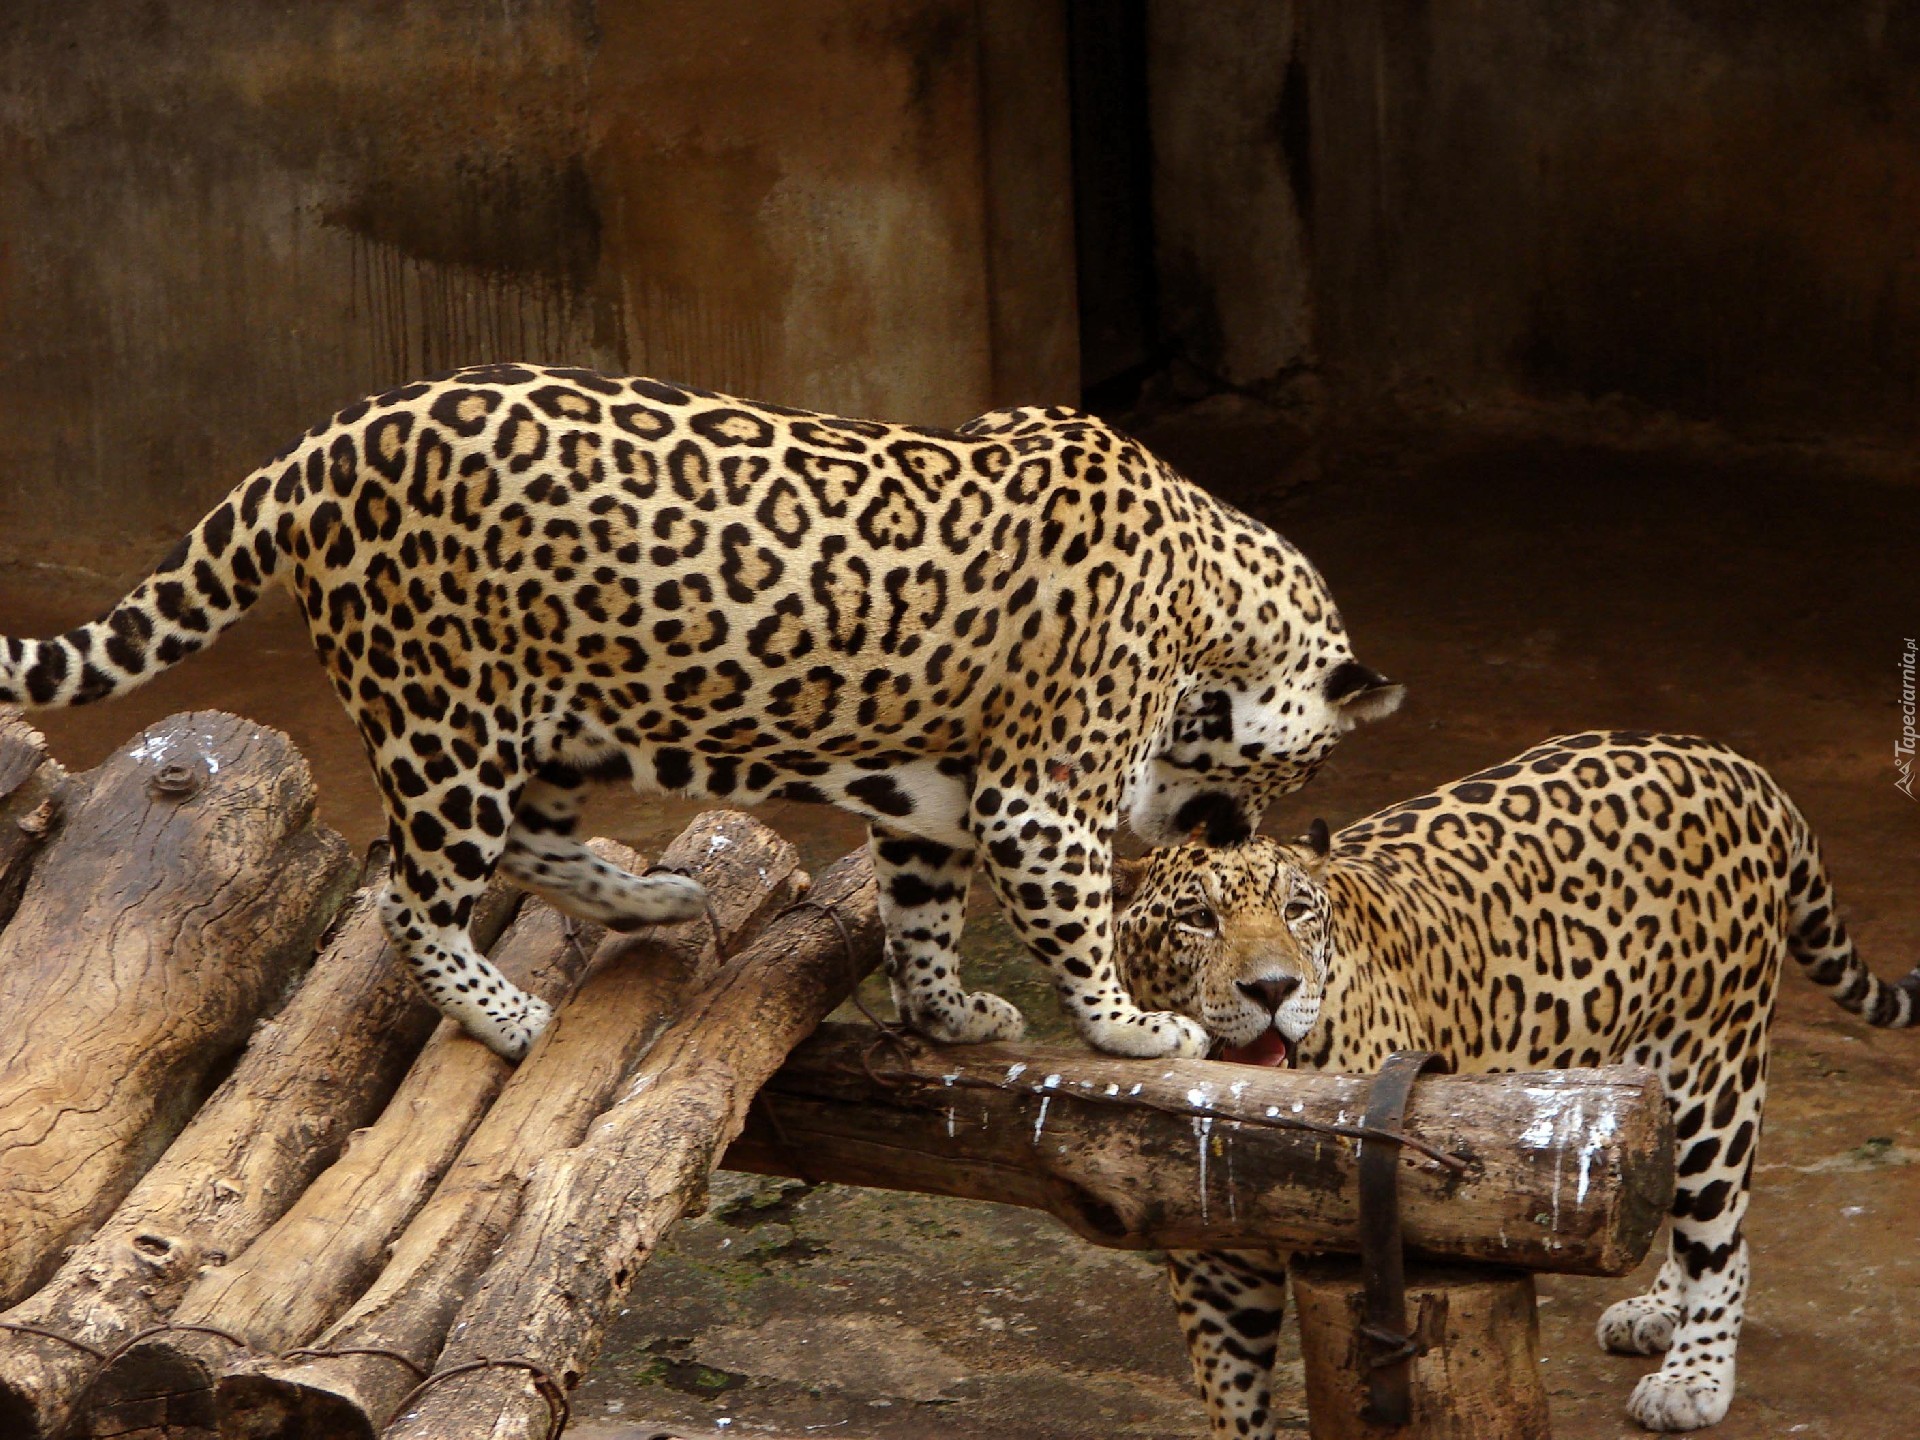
(1819, 941)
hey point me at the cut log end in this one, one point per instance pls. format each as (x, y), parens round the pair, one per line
(160, 1389)
(255, 1408)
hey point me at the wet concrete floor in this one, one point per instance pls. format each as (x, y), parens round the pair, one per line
(1523, 589)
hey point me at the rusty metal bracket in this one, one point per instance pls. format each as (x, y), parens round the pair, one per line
(1382, 1255)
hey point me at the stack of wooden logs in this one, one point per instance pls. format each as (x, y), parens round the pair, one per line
(250, 1187)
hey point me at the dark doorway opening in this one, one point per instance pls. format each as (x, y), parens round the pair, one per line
(1112, 198)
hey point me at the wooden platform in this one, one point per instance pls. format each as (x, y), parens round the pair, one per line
(266, 1193)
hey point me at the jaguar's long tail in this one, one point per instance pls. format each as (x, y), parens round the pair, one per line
(1820, 943)
(211, 578)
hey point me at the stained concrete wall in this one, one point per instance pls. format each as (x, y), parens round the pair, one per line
(1704, 207)
(219, 222)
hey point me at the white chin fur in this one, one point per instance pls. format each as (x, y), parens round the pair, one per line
(1150, 815)
(1154, 829)
(1240, 1031)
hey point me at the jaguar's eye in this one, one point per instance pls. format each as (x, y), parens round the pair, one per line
(1297, 912)
(1196, 915)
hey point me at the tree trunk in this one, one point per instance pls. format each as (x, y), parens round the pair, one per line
(592, 1215)
(567, 1079)
(324, 1250)
(1477, 1376)
(1567, 1170)
(183, 889)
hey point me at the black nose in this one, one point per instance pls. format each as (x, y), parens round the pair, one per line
(1270, 993)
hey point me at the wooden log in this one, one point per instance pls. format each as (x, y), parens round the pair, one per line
(30, 785)
(568, 1078)
(308, 1079)
(311, 1262)
(183, 891)
(1477, 1376)
(592, 1215)
(1567, 1170)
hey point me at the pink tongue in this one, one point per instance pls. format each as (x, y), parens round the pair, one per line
(1270, 1050)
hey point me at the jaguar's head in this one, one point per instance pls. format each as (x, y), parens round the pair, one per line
(1237, 939)
(1230, 749)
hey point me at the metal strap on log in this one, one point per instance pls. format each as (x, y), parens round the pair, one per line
(1382, 1250)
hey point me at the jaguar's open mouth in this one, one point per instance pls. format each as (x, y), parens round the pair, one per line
(1270, 1049)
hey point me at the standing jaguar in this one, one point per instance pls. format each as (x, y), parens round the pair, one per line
(1603, 898)
(992, 642)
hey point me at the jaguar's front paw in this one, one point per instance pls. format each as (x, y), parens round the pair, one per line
(1642, 1325)
(1148, 1035)
(978, 1018)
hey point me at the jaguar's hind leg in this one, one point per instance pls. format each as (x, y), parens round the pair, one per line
(542, 856)
(1695, 1384)
(923, 904)
(438, 873)
(1230, 1305)
(1717, 1121)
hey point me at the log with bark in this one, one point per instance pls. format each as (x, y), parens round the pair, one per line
(1567, 1170)
(593, 1214)
(378, 1350)
(182, 890)
(312, 1075)
(324, 1249)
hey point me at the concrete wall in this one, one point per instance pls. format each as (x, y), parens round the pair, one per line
(220, 222)
(1704, 207)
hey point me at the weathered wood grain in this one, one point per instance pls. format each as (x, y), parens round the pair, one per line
(1477, 1376)
(187, 885)
(30, 782)
(565, 1081)
(157, 927)
(593, 1214)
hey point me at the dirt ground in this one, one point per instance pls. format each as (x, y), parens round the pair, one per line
(1523, 588)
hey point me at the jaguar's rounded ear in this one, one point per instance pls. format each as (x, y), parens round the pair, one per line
(1128, 876)
(1359, 692)
(1319, 838)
